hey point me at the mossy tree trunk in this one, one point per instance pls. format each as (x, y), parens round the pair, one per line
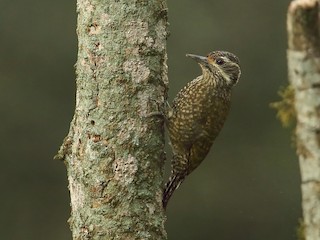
(304, 74)
(114, 152)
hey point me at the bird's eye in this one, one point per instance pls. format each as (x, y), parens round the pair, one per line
(220, 61)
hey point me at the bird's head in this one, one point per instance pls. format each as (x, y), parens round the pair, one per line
(221, 65)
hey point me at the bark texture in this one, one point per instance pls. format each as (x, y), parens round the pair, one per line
(304, 74)
(114, 152)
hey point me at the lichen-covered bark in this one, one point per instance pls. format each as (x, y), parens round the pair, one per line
(114, 152)
(304, 74)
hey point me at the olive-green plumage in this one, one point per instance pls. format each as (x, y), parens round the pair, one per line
(198, 113)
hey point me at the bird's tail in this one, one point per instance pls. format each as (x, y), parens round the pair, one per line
(173, 183)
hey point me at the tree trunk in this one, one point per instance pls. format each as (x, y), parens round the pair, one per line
(114, 152)
(304, 74)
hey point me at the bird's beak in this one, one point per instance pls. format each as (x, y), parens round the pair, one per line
(199, 59)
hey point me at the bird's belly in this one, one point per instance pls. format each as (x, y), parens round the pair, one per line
(200, 125)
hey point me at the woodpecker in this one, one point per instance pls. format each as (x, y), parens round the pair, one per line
(198, 113)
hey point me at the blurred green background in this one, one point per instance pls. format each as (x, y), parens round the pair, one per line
(247, 188)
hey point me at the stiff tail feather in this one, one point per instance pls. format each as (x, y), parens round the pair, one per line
(172, 184)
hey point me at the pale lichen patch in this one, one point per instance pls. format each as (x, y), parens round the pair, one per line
(138, 70)
(106, 19)
(124, 134)
(143, 98)
(125, 169)
(161, 36)
(90, 152)
(87, 6)
(137, 33)
(76, 194)
(133, 51)
(84, 64)
(94, 29)
(151, 208)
